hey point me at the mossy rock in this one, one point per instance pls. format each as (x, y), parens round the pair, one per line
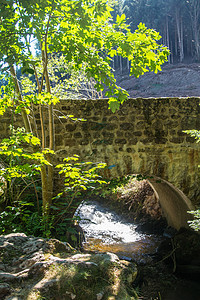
(51, 270)
(87, 276)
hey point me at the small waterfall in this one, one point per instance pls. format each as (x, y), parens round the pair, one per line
(105, 230)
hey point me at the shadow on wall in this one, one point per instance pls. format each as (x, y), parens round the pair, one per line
(174, 203)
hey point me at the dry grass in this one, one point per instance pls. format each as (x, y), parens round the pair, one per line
(137, 198)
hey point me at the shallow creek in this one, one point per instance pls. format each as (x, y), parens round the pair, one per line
(107, 231)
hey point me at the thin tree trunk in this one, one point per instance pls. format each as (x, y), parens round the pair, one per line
(25, 117)
(167, 37)
(34, 121)
(179, 35)
(47, 174)
(182, 45)
(176, 46)
(172, 55)
(45, 194)
(194, 11)
(128, 65)
(43, 136)
(120, 64)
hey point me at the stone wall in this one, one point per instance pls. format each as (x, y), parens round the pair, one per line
(145, 136)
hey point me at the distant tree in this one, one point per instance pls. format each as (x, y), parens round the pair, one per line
(193, 8)
(178, 21)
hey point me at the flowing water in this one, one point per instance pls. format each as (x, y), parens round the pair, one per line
(106, 231)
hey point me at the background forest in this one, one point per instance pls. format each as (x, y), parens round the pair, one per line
(177, 21)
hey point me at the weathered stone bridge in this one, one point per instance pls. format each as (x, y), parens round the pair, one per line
(144, 137)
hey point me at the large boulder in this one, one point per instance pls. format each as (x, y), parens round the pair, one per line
(35, 268)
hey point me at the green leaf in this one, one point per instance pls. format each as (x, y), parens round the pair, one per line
(113, 104)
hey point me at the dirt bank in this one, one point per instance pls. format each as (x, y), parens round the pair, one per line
(179, 80)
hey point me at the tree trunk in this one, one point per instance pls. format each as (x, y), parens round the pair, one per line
(120, 64)
(25, 117)
(128, 66)
(179, 35)
(194, 11)
(43, 135)
(47, 173)
(172, 55)
(167, 37)
(176, 46)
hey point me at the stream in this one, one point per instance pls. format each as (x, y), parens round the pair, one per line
(106, 231)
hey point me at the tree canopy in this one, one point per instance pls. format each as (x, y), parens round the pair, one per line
(84, 32)
(87, 37)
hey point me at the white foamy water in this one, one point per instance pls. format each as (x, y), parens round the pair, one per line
(101, 223)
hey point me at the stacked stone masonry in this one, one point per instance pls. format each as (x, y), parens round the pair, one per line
(145, 136)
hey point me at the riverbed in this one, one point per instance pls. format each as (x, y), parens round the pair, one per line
(107, 231)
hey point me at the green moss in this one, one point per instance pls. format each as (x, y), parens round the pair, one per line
(85, 278)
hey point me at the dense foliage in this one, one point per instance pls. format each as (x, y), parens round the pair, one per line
(83, 35)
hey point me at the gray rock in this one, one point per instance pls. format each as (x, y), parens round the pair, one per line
(16, 238)
(38, 268)
(33, 245)
(45, 284)
(28, 262)
(37, 264)
(7, 277)
(5, 245)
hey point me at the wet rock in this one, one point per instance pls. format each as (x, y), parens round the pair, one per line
(164, 249)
